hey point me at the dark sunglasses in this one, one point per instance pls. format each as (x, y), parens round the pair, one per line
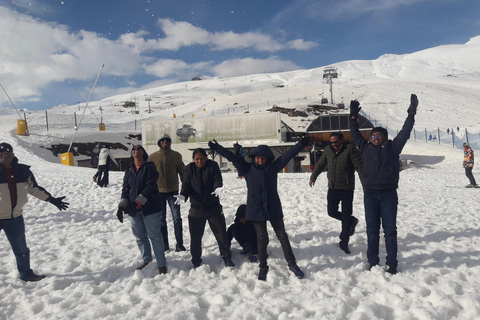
(377, 136)
(5, 149)
(137, 148)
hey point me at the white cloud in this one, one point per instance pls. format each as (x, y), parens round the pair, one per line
(299, 44)
(237, 67)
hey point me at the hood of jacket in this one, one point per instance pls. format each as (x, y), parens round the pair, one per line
(262, 151)
(145, 155)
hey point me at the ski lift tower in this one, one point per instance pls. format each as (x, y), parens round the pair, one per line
(330, 73)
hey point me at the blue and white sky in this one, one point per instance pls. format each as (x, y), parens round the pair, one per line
(51, 48)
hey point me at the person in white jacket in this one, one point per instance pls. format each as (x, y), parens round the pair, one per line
(104, 159)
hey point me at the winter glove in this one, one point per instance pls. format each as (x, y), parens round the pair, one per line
(139, 205)
(131, 208)
(218, 192)
(180, 199)
(238, 149)
(413, 104)
(253, 258)
(305, 141)
(213, 144)
(354, 108)
(120, 214)
(58, 202)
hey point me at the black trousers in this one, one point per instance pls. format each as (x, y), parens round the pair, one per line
(469, 174)
(334, 197)
(196, 224)
(102, 175)
(262, 241)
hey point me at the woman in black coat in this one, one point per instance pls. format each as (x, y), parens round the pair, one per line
(202, 183)
(140, 200)
(263, 202)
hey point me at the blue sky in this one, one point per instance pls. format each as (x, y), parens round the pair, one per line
(52, 48)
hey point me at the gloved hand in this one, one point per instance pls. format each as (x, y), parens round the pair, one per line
(180, 199)
(120, 214)
(413, 104)
(253, 258)
(139, 205)
(238, 149)
(58, 202)
(354, 108)
(131, 208)
(213, 144)
(218, 192)
(305, 141)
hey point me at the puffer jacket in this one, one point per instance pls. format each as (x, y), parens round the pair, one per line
(104, 156)
(199, 183)
(25, 183)
(170, 166)
(381, 164)
(140, 185)
(341, 166)
(263, 202)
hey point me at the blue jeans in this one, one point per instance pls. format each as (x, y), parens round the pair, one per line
(176, 216)
(15, 231)
(381, 207)
(145, 227)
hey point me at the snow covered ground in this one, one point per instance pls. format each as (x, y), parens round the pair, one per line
(89, 257)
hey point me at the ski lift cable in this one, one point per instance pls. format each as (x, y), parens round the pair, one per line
(84, 109)
(11, 101)
(88, 107)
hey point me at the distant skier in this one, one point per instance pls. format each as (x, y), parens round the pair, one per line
(468, 165)
(94, 160)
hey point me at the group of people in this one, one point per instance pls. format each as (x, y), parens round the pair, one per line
(150, 182)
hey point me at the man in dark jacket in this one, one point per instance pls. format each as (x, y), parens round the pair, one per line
(381, 167)
(341, 159)
(244, 232)
(16, 181)
(263, 202)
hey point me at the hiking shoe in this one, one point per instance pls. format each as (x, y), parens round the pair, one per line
(296, 271)
(34, 277)
(262, 274)
(229, 263)
(162, 270)
(353, 225)
(471, 186)
(392, 270)
(180, 248)
(143, 265)
(344, 247)
(167, 247)
(197, 264)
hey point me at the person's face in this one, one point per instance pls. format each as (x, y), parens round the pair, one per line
(165, 144)
(200, 160)
(137, 153)
(6, 158)
(377, 138)
(336, 142)
(260, 160)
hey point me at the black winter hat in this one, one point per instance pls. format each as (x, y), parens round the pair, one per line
(381, 130)
(242, 209)
(5, 147)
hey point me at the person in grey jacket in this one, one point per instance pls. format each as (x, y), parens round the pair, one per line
(381, 171)
(16, 182)
(341, 159)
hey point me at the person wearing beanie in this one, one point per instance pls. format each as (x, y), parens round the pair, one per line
(244, 232)
(16, 182)
(381, 170)
(468, 165)
(170, 168)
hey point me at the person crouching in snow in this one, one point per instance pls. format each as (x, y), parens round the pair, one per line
(244, 232)
(203, 184)
(263, 202)
(141, 201)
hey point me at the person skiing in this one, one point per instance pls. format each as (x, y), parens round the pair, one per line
(468, 165)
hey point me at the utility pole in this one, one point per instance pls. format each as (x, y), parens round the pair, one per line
(330, 73)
